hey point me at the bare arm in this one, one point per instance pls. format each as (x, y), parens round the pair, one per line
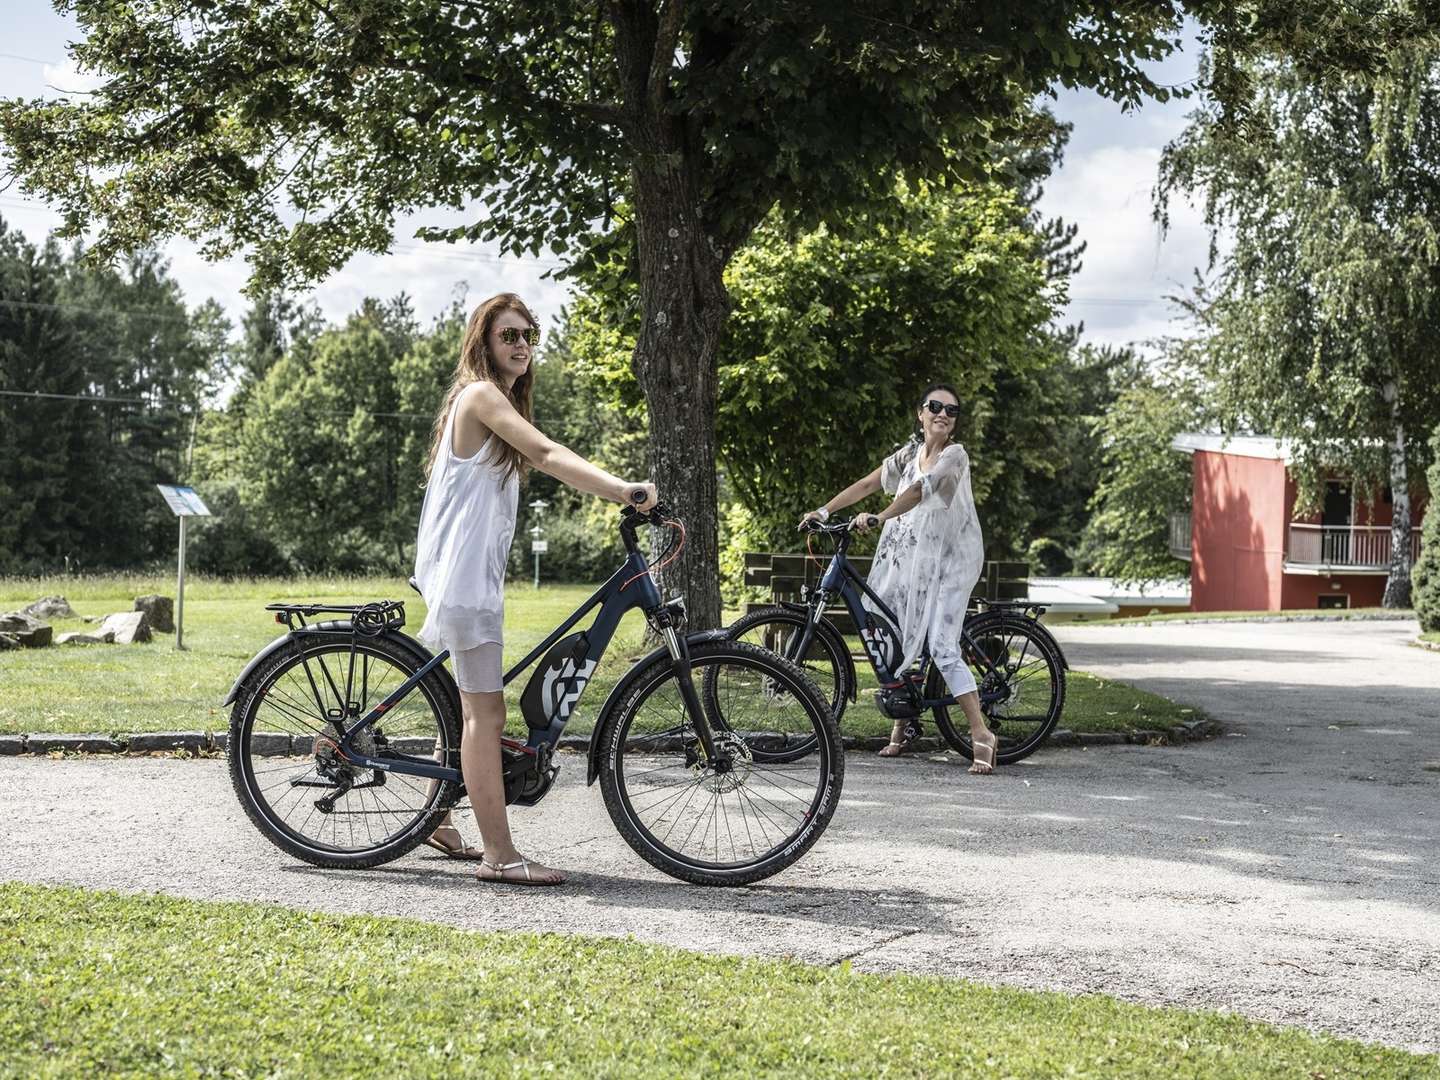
(865, 486)
(487, 406)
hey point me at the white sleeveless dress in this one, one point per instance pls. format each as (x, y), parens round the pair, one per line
(467, 523)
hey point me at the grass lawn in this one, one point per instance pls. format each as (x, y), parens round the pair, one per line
(99, 983)
(1434, 636)
(125, 689)
(1242, 616)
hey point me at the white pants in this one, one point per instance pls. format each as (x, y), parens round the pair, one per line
(958, 676)
(479, 670)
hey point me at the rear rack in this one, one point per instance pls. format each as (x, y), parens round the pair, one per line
(370, 619)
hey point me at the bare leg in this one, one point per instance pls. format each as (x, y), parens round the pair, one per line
(484, 721)
(980, 735)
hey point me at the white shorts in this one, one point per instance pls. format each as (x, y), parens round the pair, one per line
(480, 670)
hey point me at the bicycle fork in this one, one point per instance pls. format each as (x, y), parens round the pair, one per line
(684, 678)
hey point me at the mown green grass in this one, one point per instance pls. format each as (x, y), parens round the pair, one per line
(1339, 615)
(95, 983)
(153, 687)
(1433, 635)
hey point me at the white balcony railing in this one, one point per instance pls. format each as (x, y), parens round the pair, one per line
(1365, 547)
(1180, 535)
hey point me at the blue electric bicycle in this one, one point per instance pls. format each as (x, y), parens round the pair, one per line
(344, 740)
(1018, 666)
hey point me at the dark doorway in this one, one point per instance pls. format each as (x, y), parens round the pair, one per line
(1335, 519)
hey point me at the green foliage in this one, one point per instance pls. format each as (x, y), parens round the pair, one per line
(1142, 479)
(77, 477)
(1320, 326)
(320, 460)
(834, 336)
(1427, 570)
(101, 983)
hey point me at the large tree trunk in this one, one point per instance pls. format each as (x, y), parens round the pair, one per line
(685, 305)
(1397, 584)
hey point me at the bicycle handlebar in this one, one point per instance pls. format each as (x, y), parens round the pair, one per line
(833, 525)
(631, 520)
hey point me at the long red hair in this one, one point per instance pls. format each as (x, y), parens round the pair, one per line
(477, 364)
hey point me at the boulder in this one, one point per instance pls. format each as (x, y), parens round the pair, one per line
(126, 627)
(160, 610)
(32, 633)
(77, 637)
(49, 607)
(8, 641)
(17, 622)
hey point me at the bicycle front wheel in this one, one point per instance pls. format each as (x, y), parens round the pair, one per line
(302, 795)
(732, 821)
(1021, 683)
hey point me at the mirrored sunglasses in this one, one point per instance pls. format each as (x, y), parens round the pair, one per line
(511, 335)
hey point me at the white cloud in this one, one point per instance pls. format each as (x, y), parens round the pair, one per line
(68, 80)
(1129, 268)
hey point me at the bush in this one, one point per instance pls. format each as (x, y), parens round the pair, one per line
(229, 544)
(1426, 584)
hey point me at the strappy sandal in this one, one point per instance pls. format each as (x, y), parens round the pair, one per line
(462, 851)
(896, 747)
(499, 870)
(983, 762)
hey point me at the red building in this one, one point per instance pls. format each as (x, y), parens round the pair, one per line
(1249, 552)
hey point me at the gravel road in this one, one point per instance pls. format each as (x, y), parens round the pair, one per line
(1286, 870)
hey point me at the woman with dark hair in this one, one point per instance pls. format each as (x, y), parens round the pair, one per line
(930, 553)
(481, 446)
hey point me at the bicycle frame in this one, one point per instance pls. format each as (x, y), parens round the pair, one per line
(629, 587)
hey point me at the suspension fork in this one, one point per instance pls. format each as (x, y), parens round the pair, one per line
(680, 664)
(807, 635)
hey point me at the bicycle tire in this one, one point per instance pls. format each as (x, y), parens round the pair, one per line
(677, 744)
(1029, 729)
(289, 714)
(824, 664)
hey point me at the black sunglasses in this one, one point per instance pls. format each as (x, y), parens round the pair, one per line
(511, 335)
(935, 407)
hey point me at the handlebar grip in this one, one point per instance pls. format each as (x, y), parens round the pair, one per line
(637, 496)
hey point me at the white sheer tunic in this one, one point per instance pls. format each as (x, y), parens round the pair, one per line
(466, 525)
(929, 559)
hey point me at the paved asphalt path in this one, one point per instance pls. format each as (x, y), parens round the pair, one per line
(1289, 870)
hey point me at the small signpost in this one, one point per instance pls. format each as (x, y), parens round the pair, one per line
(538, 546)
(185, 504)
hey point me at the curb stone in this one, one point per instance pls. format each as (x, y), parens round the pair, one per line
(1432, 646)
(150, 741)
(75, 744)
(280, 745)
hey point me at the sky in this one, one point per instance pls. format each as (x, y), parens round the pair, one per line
(1104, 187)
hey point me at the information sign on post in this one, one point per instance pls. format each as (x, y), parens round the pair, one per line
(184, 503)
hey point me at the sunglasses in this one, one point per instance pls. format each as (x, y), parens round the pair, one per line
(936, 407)
(511, 335)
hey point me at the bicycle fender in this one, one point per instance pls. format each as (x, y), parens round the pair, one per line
(329, 627)
(699, 637)
(827, 629)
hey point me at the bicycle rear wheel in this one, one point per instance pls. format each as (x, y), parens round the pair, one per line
(1021, 683)
(696, 821)
(294, 786)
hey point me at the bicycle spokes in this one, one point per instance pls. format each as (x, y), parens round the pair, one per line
(735, 809)
(301, 775)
